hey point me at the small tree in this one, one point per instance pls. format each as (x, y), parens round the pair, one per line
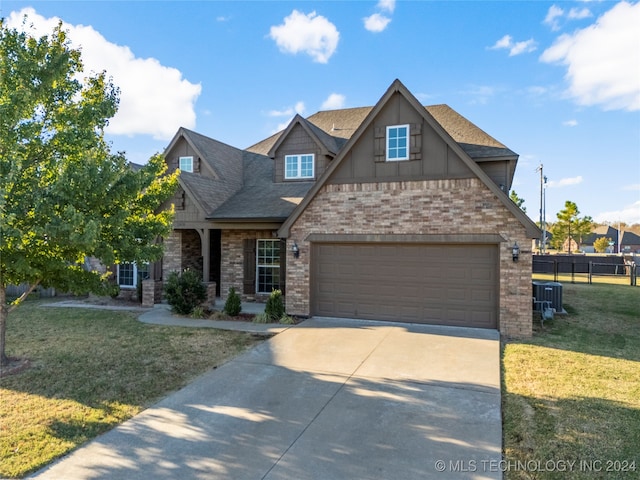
(517, 200)
(570, 226)
(601, 244)
(185, 292)
(63, 195)
(275, 306)
(233, 304)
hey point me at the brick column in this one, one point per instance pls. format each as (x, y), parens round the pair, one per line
(211, 295)
(151, 292)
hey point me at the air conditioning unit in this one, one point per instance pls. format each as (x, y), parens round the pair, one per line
(549, 292)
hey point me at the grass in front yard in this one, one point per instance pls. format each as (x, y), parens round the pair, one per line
(572, 392)
(90, 371)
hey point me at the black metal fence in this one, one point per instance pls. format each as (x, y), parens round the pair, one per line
(584, 268)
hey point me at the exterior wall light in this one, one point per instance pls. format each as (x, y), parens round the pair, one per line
(515, 250)
(295, 250)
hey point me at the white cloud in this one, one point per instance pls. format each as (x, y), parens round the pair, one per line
(522, 47)
(154, 99)
(553, 14)
(376, 23)
(504, 42)
(288, 111)
(633, 187)
(629, 214)
(565, 182)
(602, 60)
(579, 13)
(299, 108)
(281, 113)
(312, 34)
(515, 48)
(333, 102)
(570, 123)
(481, 93)
(387, 5)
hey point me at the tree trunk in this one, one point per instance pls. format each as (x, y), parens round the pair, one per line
(4, 312)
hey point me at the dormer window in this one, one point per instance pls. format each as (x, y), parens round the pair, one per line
(186, 164)
(397, 143)
(299, 166)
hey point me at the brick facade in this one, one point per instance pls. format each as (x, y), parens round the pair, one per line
(182, 250)
(232, 263)
(454, 206)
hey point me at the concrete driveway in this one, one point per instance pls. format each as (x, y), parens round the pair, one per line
(327, 399)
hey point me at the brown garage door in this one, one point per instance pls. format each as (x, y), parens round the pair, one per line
(436, 284)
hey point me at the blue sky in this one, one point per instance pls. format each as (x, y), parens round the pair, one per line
(557, 82)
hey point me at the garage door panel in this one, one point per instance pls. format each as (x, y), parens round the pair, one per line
(440, 284)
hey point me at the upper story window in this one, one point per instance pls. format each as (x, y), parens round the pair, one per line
(186, 164)
(398, 142)
(299, 166)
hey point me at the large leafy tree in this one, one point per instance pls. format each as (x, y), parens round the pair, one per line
(63, 195)
(570, 226)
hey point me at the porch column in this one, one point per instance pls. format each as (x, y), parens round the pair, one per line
(205, 250)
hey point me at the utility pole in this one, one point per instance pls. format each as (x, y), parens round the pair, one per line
(543, 181)
(619, 237)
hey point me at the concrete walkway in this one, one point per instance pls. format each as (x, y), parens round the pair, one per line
(161, 314)
(326, 399)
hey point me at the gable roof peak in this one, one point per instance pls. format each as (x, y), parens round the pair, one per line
(324, 140)
(397, 87)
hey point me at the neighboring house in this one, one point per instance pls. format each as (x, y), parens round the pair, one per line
(396, 212)
(603, 231)
(629, 241)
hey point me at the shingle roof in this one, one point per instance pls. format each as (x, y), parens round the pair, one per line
(260, 197)
(223, 159)
(342, 124)
(226, 163)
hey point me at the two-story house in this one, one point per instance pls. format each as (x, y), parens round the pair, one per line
(396, 212)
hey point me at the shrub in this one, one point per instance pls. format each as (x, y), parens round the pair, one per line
(185, 292)
(287, 320)
(275, 306)
(261, 318)
(113, 290)
(198, 312)
(232, 306)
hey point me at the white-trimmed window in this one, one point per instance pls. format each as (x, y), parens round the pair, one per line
(397, 143)
(130, 273)
(267, 265)
(299, 166)
(186, 164)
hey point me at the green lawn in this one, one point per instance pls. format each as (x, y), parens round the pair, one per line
(90, 371)
(571, 394)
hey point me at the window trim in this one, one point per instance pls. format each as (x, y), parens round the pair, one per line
(272, 265)
(190, 158)
(388, 148)
(298, 158)
(135, 274)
